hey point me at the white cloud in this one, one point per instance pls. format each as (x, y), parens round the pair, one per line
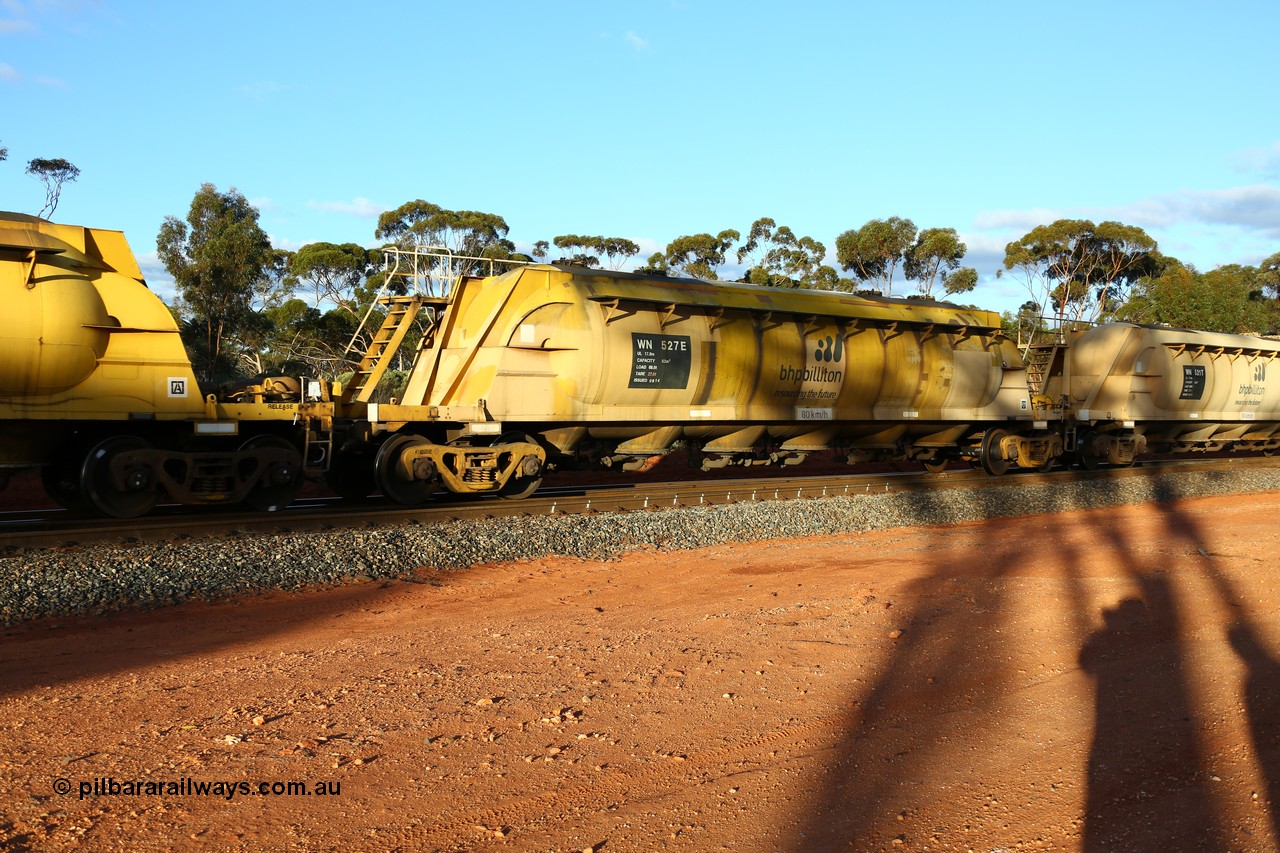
(287, 244)
(361, 207)
(639, 42)
(1255, 207)
(8, 73)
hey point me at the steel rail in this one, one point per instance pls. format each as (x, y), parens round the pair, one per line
(61, 529)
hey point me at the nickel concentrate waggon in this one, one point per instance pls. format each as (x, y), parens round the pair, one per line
(544, 365)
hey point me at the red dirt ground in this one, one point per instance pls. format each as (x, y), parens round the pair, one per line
(1105, 680)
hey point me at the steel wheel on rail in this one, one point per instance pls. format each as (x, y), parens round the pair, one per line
(1087, 451)
(281, 482)
(936, 464)
(994, 462)
(528, 477)
(136, 496)
(389, 473)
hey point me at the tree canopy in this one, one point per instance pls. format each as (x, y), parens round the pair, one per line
(420, 224)
(1231, 299)
(775, 256)
(216, 257)
(874, 251)
(699, 255)
(615, 250)
(334, 272)
(935, 253)
(53, 174)
(1081, 269)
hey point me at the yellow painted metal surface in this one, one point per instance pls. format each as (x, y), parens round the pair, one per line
(625, 354)
(83, 337)
(1126, 372)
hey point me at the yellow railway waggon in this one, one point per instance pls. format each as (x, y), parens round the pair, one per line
(97, 391)
(543, 366)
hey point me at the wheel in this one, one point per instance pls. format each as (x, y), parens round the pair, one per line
(281, 482)
(993, 458)
(528, 478)
(390, 477)
(350, 475)
(99, 490)
(1087, 451)
(936, 464)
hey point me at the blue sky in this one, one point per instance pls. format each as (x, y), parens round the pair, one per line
(654, 119)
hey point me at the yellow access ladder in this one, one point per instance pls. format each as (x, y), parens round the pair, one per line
(401, 312)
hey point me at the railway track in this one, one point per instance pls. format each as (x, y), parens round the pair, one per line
(62, 529)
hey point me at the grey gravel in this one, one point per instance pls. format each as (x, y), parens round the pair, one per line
(36, 584)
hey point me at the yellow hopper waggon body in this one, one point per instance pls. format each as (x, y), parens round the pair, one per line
(97, 391)
(543, 364)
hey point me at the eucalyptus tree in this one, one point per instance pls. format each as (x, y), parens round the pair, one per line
(420, 224)
(960, 280)
(334, 272)
(1269, 276)
(217, 258)
(578, 247)
(1228, 299)
(935, 253)
(53, 174)
(1083, 270)
(874, 251)
(699, 255)
(615, 250)
(775, 256)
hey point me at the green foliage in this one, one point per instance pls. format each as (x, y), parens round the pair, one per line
(335, 273)
(778, 258)
(217, 258)
(53, 174)
(655, 265)
(874, 251)
(699, 255)
(1228, 299)
(960, 280)
(570, 242)
(1082, 269)
(1269, 276)
(936, 253)
(1027, 326)
(420, 224)
(615, 250)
